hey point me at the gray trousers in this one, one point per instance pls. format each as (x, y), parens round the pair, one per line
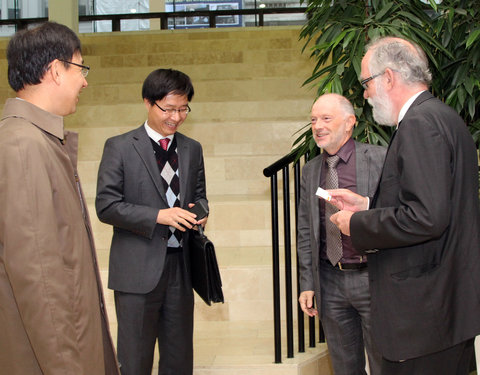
(166, 314)
(345, 317)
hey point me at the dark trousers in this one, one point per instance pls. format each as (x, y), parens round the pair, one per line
(345, 317)
(166, 314)
(452, 361)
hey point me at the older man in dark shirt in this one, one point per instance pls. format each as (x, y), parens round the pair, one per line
(330, 267)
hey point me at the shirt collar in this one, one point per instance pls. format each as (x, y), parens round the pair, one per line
(156, 136)
(407, 105)
(48, 122)
(345, 151)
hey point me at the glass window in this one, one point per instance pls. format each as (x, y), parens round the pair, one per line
(122, 7)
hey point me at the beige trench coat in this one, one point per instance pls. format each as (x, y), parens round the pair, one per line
(52, 315)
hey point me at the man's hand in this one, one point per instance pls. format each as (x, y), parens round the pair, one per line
(306, 302)
(345, 199)
(177, 217)
(342, 220)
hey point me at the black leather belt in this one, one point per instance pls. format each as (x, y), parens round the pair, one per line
(173, 250)
(347, 266)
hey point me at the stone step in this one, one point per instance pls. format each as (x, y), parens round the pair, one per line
(245, 222)
(238, 347)
(299, 67)
(247, 280)
(246, 348)
(219, 90)
(228, 175)
(219, 139)
(191, 42)
(247, 285)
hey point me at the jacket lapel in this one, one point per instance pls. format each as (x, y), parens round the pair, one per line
(183, 161)
(362, 169)
(143, 146)
(314, 200)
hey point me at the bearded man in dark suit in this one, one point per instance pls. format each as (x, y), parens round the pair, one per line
(421, 232)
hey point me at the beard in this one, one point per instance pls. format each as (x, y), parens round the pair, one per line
(382, 107)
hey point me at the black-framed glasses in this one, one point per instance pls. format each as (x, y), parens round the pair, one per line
(366, 80)
(172, 111)
(85, 68)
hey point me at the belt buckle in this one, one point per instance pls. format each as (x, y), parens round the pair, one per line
(340, 266)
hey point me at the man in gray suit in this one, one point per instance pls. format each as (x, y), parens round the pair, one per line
(147, 180)
(338, 282)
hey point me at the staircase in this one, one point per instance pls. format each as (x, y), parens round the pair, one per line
(247, 106)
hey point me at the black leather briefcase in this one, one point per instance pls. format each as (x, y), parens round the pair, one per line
(206, 278)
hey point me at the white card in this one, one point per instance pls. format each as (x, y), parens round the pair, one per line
(323, 194)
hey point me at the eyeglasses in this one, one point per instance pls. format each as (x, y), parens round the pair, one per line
(364, 82)
(85, 68)
(172, 111)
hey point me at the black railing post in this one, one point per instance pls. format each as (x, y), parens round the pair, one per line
(276, 270)
(300, 317)
(311, 332)
(164, 21)
(116, 24)
(212, 20)
(321, 334)
(288, 261)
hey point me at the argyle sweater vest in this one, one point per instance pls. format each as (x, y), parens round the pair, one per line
(167, 162)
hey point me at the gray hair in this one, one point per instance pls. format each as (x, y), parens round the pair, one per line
(402, 56)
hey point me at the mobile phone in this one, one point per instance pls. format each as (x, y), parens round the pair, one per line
(200, 209)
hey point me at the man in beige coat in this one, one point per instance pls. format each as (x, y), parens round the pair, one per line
(52, 315)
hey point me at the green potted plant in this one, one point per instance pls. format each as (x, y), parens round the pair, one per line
(336, 34)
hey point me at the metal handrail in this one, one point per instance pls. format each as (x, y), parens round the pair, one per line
(284, 164)
(22, 23)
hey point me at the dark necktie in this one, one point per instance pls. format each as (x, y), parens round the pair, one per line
(333, 235)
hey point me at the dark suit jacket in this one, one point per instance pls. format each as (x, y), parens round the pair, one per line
(425, 273)
(369, 160)
(130, 193)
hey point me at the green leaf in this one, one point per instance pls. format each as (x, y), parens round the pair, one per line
(461, 11)
(469, 85)
(340, 69)
(472, 38)
(412, 18)
(471, 107)
(337, 86)
(348, 39)
(339, 38)
(383, 11)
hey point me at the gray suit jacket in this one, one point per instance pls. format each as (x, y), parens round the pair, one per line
(130, 193)
(369, 160)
